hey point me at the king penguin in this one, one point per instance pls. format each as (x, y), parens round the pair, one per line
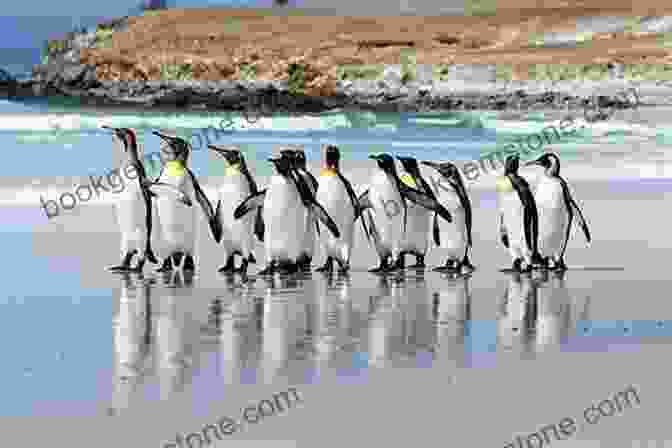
(518, 217)
(338, 198)
(176, 214)
(133, 207)
(284, 205)
(556, 212)
(416, 237)
(387, 197)
(457, 234)
(237, 235)
(298, 156)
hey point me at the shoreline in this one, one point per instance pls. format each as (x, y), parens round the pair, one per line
(81, 67)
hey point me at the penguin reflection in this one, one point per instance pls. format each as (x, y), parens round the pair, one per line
(452, 313)
(558, 312)
(518, 314)
(418, 328)
(235, 323)
(172, 331)
(283, 321)
(132, 337)
(330, 317)
(385, 320)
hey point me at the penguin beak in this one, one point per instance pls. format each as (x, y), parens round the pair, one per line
(430, 164)
(533, 162)
(373, 156)
(164, 137)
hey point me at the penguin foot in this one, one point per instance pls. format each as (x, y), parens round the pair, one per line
(138, 267)
(268, 270)
(343, 267)
(467, 264)
(399, 264)
(251, 259)
(384, 266)
(166, 266)
(517, 265)
(125, 265)
(189, 264)
(287, 267)
(327, 267)
(419, 262)
(243, 266)
(228, 267)
(149, 255)
(560, 265)
(538, 262)
(450, 266)
(303, 262)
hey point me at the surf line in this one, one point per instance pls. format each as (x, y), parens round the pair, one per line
(568, 425)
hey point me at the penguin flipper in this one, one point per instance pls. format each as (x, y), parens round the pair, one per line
(215, 224)
(375, 235)
(253, 201)
(503, 234)
(436, 231)
(424, 200)
(259, 226)
(363, 202)
(572, 205)
(320, 213)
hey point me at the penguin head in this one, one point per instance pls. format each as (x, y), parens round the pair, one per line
(231, 154)
(174, 148)
(385, 162)
(511, 164)
(283, 165)
(410, 165)
(445, 169)
(124, 135)
(549, 161)
(332, 157)
(300, 158)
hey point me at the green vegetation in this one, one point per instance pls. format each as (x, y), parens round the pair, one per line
(297, 78)
(103, 36)
(632, 24)
(232, 24)
(359, 71)
(408, 66)
(665, 40)
(594, 72)
(247, 71)
(480, 7)
(51, 47)
(440, 71)
(176, 72)
(151, 12)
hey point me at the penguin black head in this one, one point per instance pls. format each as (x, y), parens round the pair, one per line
(175, 148)
(385, 162)
(332, 157)
(300, 158)
(283, 165)
(511, 164)
(549, 161)
(126, 136)
(231, 154)
(445, 169)
(410, 165)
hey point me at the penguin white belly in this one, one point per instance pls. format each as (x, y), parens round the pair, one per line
(513, 212)
(131, 213)
(178, 221)
(453, 234)
(237, 234)
(417, 229)
(388, 213)
(333, 196)
(284, 217)
(553, 218)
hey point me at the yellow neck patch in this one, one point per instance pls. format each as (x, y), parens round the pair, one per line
(503, 184)
(232, 170)
(327, 172)
(408, 180)
(174, 168)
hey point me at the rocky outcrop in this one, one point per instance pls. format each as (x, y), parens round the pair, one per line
(463, 87)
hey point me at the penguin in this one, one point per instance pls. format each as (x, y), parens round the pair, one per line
(284, 205)
(177, 217)
(452, 193)
(238, 185)
(556, 212)
(133, 207)
(415, 239)
(518, 217)
(387, 197)
(338, 198)
(298, 156)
